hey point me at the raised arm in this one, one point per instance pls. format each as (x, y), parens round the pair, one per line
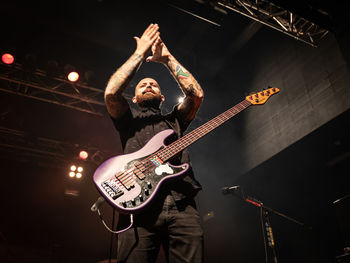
(188, 84)
(115, 102)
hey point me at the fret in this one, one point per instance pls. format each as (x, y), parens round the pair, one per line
(182, 143)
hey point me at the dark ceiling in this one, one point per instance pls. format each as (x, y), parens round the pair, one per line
(40, 222)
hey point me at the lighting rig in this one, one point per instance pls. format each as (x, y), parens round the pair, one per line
(289, 20)
(47, 151)
(27, 80)
(278, 18)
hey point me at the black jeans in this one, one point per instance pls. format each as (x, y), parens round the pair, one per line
(175, 225)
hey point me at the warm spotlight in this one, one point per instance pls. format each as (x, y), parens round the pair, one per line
(80, 169)
(73, 76)
(78, 175)
(181, 99)
(83, 155)
(72, 174)
(73, 168)
(7, 58)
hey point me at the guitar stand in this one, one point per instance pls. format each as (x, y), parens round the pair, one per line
(269, 242)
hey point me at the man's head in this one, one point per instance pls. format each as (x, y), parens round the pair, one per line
(148, 94)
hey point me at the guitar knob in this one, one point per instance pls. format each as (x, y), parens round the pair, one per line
(124, 203)
(149, 185)
(141, 198)
(133, 201)
(146, 191)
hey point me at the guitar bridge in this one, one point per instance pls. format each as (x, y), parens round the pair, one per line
(112, 189)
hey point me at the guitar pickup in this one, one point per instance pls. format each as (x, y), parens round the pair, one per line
(127, 186)
(138, 170)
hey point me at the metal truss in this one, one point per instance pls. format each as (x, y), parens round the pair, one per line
(37, 84)
(47, 151)
(277, 18)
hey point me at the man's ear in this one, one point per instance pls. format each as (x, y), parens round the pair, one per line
(134, 100)
(163, 98)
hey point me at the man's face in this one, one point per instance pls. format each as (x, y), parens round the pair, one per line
(147, 93)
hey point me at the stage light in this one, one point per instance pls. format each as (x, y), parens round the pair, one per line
(71, 174)
(80, 169)
(181, 99)
(79, 175)
(7, 58)
(73, 76)
(83, 155)
(73, 168)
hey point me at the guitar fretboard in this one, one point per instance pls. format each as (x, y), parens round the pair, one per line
(182, 143)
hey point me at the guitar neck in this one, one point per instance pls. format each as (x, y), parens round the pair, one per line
(185, 141)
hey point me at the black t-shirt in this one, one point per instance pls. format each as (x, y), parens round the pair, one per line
(137, 127)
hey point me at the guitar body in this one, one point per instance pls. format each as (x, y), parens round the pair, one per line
(129, 188)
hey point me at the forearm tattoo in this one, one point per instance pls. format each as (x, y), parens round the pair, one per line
(115, 102)
(186, 81)
(121, 78)
(180, 73)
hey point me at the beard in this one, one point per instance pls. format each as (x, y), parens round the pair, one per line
(149, 101)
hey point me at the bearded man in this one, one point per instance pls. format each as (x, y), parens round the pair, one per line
(171, 219)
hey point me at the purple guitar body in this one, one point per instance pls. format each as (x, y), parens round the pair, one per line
(129, 182)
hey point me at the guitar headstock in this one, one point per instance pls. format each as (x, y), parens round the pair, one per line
(261, 97)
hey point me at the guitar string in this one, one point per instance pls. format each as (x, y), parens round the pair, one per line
(202, 130)
(189, 138)
(192, 137)
(129, 174)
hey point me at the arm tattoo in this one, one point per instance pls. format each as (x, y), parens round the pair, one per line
(121, 78)
(115, 102)
(190, 87)
(190, 91)
(180, 73)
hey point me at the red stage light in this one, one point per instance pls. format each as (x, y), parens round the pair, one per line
(73, 76)
(83, 155)
(7, 58)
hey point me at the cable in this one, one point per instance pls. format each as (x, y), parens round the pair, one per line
(120, 231)
(111, 242)
(263, 231)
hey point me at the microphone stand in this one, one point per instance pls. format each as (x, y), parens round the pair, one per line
(265, 220)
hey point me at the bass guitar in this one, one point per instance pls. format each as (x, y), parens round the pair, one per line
(129, 182)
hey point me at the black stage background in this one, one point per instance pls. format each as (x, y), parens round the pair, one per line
(291, 153)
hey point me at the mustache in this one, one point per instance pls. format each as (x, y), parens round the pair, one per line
(148, 90)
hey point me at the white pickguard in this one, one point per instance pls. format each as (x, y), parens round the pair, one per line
(164, 168)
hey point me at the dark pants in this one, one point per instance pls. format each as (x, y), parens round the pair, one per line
(174, 225)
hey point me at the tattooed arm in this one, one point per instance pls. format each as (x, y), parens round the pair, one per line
(188, 84)
(115, 102)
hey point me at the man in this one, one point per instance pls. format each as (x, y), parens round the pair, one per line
(172, 218)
